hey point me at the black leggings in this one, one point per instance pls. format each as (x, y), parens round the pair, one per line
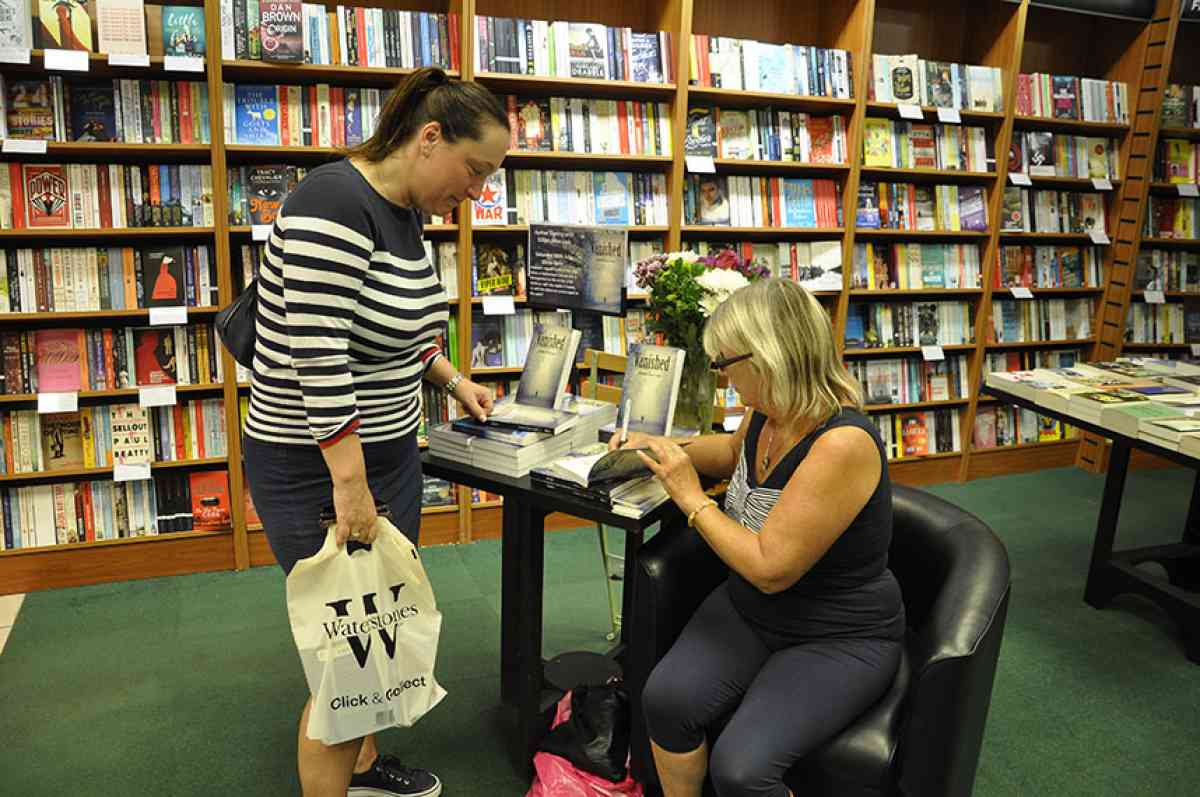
(786, 699)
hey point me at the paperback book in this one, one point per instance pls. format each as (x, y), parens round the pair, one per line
(183, 30)
(547, 366)
(651, 389)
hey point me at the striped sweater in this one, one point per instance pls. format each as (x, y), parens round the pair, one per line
(348, 311)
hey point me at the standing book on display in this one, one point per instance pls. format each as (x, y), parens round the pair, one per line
(16, 25)
(543, 379)
(121, 27)
(577, 268)
(650, 389)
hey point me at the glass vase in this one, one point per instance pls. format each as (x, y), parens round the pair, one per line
(697, 391)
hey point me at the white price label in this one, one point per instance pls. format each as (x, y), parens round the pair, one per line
(909, 111)
(131, 472)
(1156, 297)
(183, 63)
(700, 164)
(1101, 184)
(1019, 178)
(499, 305)
(167, 316)
(22, 146)
(260, 232)
(14, 56)
(1188, 189)
(156, 396)
(949, 116)
(128, 59)
(1021, 292)
(58, 402)
(66, 60)
(1196, 349)
(931, 353)
(1099, 236)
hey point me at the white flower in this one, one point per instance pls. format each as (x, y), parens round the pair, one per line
(685, 256)
(718, 284)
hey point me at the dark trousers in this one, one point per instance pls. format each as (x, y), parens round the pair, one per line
(291, 485)
(785, 698)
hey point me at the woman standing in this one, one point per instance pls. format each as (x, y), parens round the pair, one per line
(348, 312)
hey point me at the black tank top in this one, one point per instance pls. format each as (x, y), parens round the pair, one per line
(849, 592)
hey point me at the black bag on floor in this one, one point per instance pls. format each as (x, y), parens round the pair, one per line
(596, 737)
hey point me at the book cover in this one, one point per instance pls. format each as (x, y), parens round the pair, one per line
(46, 192)
(733, 135)
(163, 276)
(64, 25)
(1065, 102)
(121, 26)
(1175, 106)
(487, 342)
(267, 187)
(821, 135)
(914, 434)
(58, 354)
(588, 50)
(903, 80)
(1040, 152)
(280, 29)
(867, 215)
(62, 441)
(534, 130)
(701, 136)
(877, 142)
(491, 208)
(824, 271)
(16, 25)
(547, 366)
(939, 84)
(799, 203)
(131, 441)
(712, 200)
(496, 269)
(154, 356)
(645, 58)
(972, 208)
(29, 111)
(774, 68)
(93, 112)
(650, 389)
(183, 30)
(256, 114)
(210, 500)
(612, 192)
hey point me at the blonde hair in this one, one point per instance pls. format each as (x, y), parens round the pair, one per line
(790, 335)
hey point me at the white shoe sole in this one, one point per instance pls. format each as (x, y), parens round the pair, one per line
(369, 791)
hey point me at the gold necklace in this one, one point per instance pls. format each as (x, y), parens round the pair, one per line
(766, 460)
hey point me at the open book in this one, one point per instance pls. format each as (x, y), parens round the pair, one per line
(595, 465)
(543, 379)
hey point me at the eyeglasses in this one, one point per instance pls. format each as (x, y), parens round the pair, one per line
(721, 363)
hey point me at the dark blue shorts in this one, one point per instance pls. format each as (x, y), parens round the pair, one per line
(291, 485)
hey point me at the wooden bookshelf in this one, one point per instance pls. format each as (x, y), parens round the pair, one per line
(889, 174)
(138, 233)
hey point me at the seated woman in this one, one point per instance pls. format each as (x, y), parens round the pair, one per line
(806, 633)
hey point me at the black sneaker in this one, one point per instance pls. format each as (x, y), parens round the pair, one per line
(387, 777)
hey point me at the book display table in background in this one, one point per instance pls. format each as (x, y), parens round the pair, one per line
(1112, 573)
(526, 507)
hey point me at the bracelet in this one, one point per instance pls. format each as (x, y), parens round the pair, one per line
(691, 518)
(453, 383)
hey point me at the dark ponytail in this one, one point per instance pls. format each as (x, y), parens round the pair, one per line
(427, 95)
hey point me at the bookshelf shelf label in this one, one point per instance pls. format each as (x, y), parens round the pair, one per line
(1102, 184)
(1019, 178)
(128, 59)
(131, 472)
(949, 116)
(1021, 292)
(14, 56)
(67, 60)
(58, 402)
(1196, 349)
(932, 353)
(167, 316)
(499, 305)
(1099, 237)
(909, 111)
(700, 164)
(1156, 297)
(260, 232)
(22, 146)
(183, 63)
(1188, 189)
(157, 396)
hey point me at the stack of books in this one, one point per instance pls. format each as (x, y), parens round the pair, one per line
(618, 479)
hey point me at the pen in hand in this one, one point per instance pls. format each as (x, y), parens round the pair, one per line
(625, 423)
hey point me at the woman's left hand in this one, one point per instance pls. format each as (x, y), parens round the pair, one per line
(476, 399)
(675, 470)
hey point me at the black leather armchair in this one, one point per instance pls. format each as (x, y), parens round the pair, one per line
(922, 739)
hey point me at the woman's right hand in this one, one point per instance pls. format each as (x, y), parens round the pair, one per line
(355, 508)
(635, 439)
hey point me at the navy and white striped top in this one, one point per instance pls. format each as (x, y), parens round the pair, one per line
(349, 307)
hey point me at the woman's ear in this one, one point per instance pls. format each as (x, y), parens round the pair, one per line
(430, 137)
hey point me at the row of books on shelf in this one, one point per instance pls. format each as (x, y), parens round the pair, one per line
(125, 111)
(919, 433)
(909, 381)
(126, 27)
(1022, 321)
(1049, 267)
(256, 193)
(905, 324)
(768, 134)
(750, 201)
(1029, 359)
(1005, 425)
(527, 196)
(1150, 399)
(66, 360)
(725, 62)
(289, 31)
(1177, 161)
(102, 196)
(1031, 210)
(940, 84)
(1181, 105)
(588, 125)
(1167, 270)
(501, 341)
(317, 115)
(916, 145)
(1041, 153)
(1172, 217)
(1169, 323)
(911, 266)
(99, 436)
(1069, 97)
(587, 50)
(913, 206)
(66, 513)
(98, 279)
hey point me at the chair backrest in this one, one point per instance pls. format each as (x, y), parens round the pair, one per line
(954, 574)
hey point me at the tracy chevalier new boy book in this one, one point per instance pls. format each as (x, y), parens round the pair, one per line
(650, 389)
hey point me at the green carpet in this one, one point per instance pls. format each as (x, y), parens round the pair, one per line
(190, 686)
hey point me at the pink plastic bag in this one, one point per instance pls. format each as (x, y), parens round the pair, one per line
(557, 777)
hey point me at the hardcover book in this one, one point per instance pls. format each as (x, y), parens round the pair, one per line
(256, 113)
(183, 30)
(64, 25)
(16, 25)
(154, 356)
(131, 441)
(58, 353)
(547, 366)
(281, 30)
(46, 192)
(93, 112)
(650, 389)
(121, 26)
(162, 277)
(268, 187)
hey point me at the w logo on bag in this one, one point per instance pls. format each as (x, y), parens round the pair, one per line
(355, 631)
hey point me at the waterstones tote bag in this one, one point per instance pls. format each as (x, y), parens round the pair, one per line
(366, 625)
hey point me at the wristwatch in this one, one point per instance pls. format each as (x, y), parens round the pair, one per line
(453, 383)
